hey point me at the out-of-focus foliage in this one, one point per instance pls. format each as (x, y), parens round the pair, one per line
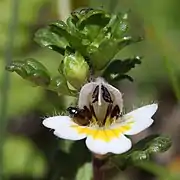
(85, 172)
(26, 17)
(17, 159)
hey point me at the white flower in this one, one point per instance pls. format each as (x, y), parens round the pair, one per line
(99, 119)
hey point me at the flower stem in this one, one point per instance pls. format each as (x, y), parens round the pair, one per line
(98, 173)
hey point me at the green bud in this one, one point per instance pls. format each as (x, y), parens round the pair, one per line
(75, 69)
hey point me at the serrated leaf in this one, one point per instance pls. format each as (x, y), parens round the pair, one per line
(159, 144)
(85, 172)
(92, 16)
(73, 29)
(101, 55)
(143, 150)
(153, 144)
(92, 23)
(128, 40)
(59, 85)
(31, 70)
(46, 38)
(117, 69)
(118, 25)
(138, 156)
(80, 12)
(148, 146)
(102, 51)
(74, 40)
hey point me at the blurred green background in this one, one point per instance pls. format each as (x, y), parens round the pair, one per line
(30, 151)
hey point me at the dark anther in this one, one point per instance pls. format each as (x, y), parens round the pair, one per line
(106, 95)
(95, 94)
(115, 112)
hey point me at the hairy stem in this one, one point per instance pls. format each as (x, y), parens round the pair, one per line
(98, 173)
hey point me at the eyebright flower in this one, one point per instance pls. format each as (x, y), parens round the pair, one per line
(99, 119)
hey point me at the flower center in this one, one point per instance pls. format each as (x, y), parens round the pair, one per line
(101, 111)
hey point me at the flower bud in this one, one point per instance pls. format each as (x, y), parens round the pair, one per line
(75, 69)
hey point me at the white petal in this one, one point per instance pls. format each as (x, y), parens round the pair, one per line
(63, 127)
(117, 145)
(140, 118)
(85, 93)
(117, 95)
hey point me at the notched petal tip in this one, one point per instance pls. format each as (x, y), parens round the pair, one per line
(150, 109)
(145, 111)
(154, 107)
(140, 118)
(117, 145)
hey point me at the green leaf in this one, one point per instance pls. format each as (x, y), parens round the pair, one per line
(142, 151)
(118, 25)
(74, 40)
(91, 23)
(72, 29)
(159, 144)
(46, 38)
(138, 156)
(91, 16)
(31, 70)
(117, 69)
(59, 85)
(20, 156)
(79, 13)
(128, 40)
(153, 144)
(96, 34)
(85, 172)
(101, 55)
